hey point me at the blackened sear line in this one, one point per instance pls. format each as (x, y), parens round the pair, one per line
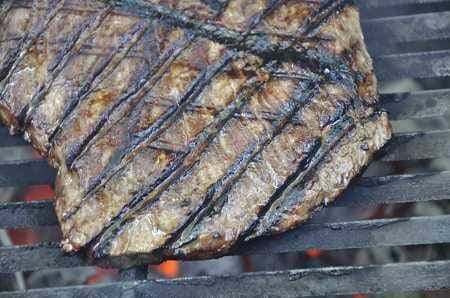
(177, 110)
(91, 24)
(324, 13)
(258, 18)
(160, 125)
(217, 194)
(13, 53)
(27, 38)
(280, 201)
(60, 61)
(88, 85)
(258, 44)
(31, 37)
(163, 122)
(312, 150)
(5, 9)
(178, 167)
(126, 43)
(218, 5)
(77, 148)
(34, 31)
(154, 73)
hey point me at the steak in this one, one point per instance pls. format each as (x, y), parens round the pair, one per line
(181, 129)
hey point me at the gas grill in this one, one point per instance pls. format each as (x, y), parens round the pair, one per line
(409, 39)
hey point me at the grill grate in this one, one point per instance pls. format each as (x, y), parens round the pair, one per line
(384, 37)
(292, 283)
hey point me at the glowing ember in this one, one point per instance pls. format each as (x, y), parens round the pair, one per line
(169, 269)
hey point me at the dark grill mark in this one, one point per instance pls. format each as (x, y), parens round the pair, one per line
(160, 125)
(182, 164)
(218, 5)
(136, 92)
(337, 70)
(13, 53)
(222, 185)
(33, 31)
(281, 200)
(4, 10)
(216, 196)
(150, 134)
(325, 12)
(126, 42)
(69, 50)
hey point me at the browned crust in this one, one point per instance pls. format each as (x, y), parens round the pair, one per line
(86, 115)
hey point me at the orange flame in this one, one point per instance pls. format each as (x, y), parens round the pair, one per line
(313, 253)
(101, 275)
(359, 296)
(38, 193)
(169, 269)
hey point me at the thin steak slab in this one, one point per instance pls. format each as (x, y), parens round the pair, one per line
(181, 129)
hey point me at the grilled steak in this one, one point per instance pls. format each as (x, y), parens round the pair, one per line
(181, 129)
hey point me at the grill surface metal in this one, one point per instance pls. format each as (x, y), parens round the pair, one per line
(385, 38)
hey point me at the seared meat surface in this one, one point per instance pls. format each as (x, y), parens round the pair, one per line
(180, 129)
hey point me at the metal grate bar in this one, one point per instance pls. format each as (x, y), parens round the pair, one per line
(417, 65)
(417, 145)
(365, 191)
(356, 234)
(25, 172)
(328, 281)
(7, 140)
(36, 257)
(326, 236)
(397, 189)
(410, 28)
(415, 105)
(134, 273)
(26, 215)
(389, 3)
